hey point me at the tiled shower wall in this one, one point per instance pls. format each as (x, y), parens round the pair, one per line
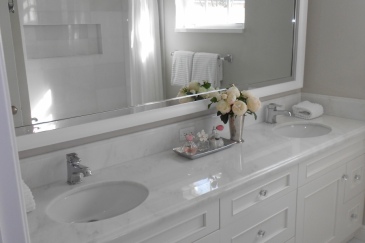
(75, 54)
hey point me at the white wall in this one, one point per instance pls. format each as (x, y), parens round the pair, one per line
(335, 52)
(78, 71)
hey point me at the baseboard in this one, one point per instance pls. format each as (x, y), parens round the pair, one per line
(360, 234)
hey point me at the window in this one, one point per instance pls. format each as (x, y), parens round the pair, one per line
(210, 15)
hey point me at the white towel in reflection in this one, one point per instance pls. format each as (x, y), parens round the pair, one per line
(207, 67)
(307, 110)
(182, 62)
(28, 198)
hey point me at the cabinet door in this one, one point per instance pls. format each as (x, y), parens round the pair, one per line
(319, 208)
(351, 217)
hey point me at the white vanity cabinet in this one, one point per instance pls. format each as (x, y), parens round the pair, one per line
(331, 195)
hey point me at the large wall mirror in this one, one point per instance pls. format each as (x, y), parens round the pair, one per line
(76, 61)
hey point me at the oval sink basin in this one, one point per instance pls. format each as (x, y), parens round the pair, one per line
(97, 202)
(302, 130)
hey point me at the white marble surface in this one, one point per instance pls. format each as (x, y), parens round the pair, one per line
(170, 179)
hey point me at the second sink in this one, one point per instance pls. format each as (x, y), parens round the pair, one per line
(302, 130)
(97, 202)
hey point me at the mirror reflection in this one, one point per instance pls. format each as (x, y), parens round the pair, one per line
(79, 57)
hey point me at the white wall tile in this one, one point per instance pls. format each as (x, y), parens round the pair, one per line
(68, 54)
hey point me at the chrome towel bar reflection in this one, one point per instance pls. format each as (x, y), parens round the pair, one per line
(11, 6)
(227, 57)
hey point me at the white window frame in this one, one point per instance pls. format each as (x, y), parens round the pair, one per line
(214, 28)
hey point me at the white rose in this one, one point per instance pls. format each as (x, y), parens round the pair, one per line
(194, 86)
(253, 104)
(211, 95)
(203, 90)
(216, 95)
(224, 96)
(231, 99)
(184, 100)
(223, 107)
(239, 108)
(247, 94)
(233, 90)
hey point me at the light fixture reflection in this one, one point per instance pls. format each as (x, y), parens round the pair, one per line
(202, 186)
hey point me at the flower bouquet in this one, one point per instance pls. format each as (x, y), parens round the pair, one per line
(233, 105)
(194, 88)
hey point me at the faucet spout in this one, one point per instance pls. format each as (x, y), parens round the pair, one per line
(75, 170)
(272, 112)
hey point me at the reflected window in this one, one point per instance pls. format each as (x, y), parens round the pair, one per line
(210, 15)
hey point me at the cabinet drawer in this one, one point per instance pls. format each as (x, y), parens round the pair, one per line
(332, 158)
(351, 216)
(356, 177)
(274, 223)
(211, 238)
(186, 226)
(243, 199)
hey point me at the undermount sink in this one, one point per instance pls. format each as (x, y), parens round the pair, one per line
(302, 130)
(97, 202)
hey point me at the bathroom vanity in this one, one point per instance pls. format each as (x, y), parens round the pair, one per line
(271, 188)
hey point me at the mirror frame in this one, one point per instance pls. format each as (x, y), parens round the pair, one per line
(135, 121)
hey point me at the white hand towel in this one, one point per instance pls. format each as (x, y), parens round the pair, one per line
(28, 198)
(307, 110)
(207, 67)
(182, 62)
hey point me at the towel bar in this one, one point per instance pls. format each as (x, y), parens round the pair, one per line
(227, 58)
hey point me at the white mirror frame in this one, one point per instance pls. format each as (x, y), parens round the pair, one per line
(92, 129)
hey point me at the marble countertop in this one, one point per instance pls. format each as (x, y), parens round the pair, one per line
(173, 180)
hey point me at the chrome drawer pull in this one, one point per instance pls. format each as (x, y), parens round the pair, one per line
(357, 177)
(261, 233)
(263, 193)
(345, 177)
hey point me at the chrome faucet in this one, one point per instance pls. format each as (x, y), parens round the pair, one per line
(272, 112)
(75, 170)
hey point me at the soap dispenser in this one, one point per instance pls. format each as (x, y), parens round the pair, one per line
(215, 141)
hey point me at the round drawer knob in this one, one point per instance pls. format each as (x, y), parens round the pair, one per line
(263, 193)
(261, 233)
(345, 177)
(353, 216)
(357, 177)
(14, 109)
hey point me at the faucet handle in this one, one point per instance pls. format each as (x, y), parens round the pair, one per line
(73, 158)
(273, 106)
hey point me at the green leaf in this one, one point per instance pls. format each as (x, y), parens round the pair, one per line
(206, 84)
(254, 114)
(214, 100)
(224, 118)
